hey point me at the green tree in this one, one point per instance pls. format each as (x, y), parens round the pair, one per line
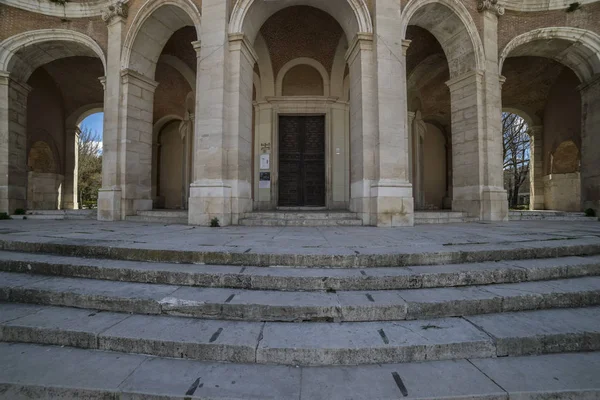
(89, 168)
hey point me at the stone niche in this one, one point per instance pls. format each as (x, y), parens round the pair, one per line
(44, 183)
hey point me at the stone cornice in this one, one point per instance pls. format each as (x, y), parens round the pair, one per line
(115, 10)
(490, 5)
(239, 41)
(362, 41)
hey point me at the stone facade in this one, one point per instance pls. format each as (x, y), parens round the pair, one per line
(192, 92)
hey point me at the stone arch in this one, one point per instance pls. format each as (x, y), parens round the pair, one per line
(152, 27)
(297, 62)
(565, 158)
(71, 9)
(249, 15)
(578, 49)
(530, 117)
(452, 25)
(23, 53)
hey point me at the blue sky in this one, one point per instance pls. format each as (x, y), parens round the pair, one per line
(94, 123)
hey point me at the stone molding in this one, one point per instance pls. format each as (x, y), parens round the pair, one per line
(540, 5)
(130, 76)
(102, 80)
(239, 42)
(115, 12)
(197, 45)
(405, 45)
(302, 61)
(465, 79)
(490, 5)
(362, 41)
(84, 9)
(590, 84)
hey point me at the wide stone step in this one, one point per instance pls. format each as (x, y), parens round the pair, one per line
(360, 256)
(296, 215)
(177, 217)
(257, 305)
(29, 371)
(442, 217)
(299, 222)
(549, 216)
(352, 343)
(57, 214)
(302, 279)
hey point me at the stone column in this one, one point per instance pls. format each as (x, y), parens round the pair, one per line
(70, 201)
(363, 128)
(210, 194)
(392, 194)
(109, 196)
(13, 143)
(536, 168)
(478, 184)
(238, 135)
(411, 143)
(135, 151)
(590, 144)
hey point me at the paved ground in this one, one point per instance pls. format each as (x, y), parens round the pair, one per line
(300, 240)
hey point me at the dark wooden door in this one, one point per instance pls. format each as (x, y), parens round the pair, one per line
(302, 161)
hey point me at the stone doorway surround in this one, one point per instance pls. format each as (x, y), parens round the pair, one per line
(337, 174)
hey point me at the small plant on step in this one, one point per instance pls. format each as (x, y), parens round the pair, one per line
(590, 212)
(214, 223)
(20, 211)
(60, 2)
(573, 7)
(4, 216)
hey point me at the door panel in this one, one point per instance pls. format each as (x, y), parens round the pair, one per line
(301, 161)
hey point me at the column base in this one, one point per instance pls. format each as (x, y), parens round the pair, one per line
(109, 204)
(208, 200)
(241, 199)
(485, 203)
(593, 204)
(392, 204)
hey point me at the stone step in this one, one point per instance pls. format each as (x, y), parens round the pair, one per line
(57, 214)
(160, 220)
(259, 305)
(549, 216)
(296, 215)
(302, 279)
(257, 221)
(29, 371)
(442, 217)
(459, 251)
(351, 343)
(164, 213)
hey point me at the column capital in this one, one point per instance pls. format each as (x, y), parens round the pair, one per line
(405, 45)
(102, 80)
(131, 76)
(502, 79)
(197, 45)
(591, 83)
(362, 41)
(6, 79)
(465, 79)
(491, 6)
(115, 12)
(239, 41)
(536, 129)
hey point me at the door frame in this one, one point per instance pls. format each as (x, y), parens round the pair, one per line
(325, 157)
(301, 106)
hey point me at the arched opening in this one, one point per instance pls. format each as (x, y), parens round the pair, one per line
(548, 74)
(516, 151)
(44, 183)
(161, 60)
(52, 75)
(444, 61)
(300, 130)
(88, 162)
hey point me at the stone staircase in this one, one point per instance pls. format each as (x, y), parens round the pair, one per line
(179, 217)
(57, 214)
(442, 217)
(301, 218)
(380, 328)
(548, 215)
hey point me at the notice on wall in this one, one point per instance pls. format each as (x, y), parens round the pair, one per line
(265, 161)
(265, 180)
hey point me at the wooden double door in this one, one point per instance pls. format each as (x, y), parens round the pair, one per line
(302, 161)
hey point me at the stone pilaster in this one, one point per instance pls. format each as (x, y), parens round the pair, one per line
(69, 197)
(210, 194)
(135, 150)
(109, 196)
(536, 168)
(392, 201)
(477, 151)
(13, 143)
(590, 143)
(238, 135)
(363, 124)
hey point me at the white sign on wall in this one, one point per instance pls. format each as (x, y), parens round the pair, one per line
(265, 161)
